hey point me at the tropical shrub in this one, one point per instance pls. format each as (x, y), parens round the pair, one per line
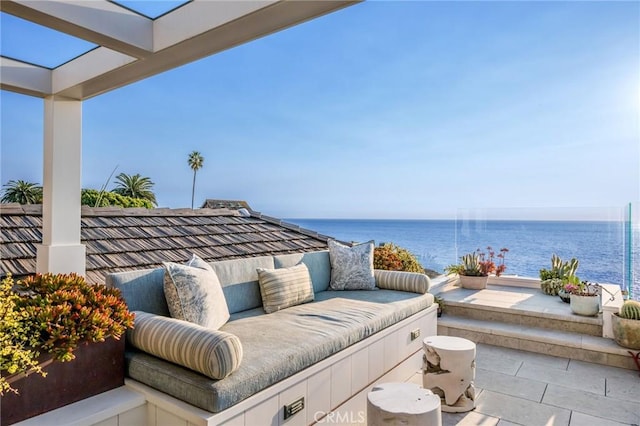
(391, 257)
(135, 186)
(20, 191)
(93, 198)
(58, 312)
(16, 340)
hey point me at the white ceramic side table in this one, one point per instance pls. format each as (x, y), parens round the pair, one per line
(405, 404)
(449, 370)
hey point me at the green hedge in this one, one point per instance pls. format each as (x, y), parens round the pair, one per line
(90, 196)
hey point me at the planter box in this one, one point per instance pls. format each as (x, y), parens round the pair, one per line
(98, 367)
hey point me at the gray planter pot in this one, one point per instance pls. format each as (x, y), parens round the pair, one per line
(626, 332)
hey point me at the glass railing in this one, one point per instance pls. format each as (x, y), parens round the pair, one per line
(605, 241)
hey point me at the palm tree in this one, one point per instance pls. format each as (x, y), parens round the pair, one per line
(135, 186)
(20, 191)
(196, 160)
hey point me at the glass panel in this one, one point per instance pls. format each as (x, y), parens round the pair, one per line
(151, 8)
(596, 237)
(33, 43)
(632, 251)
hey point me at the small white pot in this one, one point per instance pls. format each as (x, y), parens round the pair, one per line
(587, 306)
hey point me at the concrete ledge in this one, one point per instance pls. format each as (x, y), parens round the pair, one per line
(103, 407)
(551, 342)
(546, 320)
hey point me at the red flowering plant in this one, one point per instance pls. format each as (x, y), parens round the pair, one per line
(487, 264)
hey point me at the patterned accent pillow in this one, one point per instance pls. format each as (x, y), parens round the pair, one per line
(214, 353)
(351, 267)
(285, 287)
(402, 281)
(194, 293)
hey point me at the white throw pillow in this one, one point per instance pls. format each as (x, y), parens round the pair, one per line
(285, 287)
(351, 267)
(194, 293)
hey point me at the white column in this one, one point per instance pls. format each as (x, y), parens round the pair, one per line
(61, 251)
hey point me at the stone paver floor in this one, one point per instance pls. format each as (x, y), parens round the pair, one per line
(523, 388)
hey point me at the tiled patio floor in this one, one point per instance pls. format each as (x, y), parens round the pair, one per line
(525, 388)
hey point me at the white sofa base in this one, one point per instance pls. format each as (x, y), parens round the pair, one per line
(329, 387)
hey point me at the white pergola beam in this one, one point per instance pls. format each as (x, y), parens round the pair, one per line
(274, 16)
(24, 78)
(97, 21)
(200, 17)
(73, 76)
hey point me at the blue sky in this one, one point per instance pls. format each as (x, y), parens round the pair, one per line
(382, 110)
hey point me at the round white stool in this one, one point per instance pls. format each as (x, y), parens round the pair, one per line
(402, 404)
(449, 371)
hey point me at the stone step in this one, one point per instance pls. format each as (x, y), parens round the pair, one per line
(561, 343)
(547, 319)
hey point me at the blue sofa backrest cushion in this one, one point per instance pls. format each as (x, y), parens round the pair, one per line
(317, 262)
(239, 279)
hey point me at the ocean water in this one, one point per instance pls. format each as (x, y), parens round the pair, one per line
(601, 247)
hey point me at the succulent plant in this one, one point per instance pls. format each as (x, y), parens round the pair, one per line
(630, 309)
(471, 265)
(560, 269)
(551, 286)
(54, 314)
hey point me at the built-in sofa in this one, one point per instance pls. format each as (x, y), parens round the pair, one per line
(297, 364)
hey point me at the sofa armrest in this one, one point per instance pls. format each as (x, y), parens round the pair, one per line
(214, 353)
(402, 281)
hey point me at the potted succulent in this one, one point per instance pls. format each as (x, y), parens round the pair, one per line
(48, 320)
(584, 297)
(476, 267)
(626, 325)
(440, 301)
(552, 281)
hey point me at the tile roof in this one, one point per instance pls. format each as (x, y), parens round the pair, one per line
(120, 239)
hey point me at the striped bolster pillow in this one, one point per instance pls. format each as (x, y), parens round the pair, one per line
(402, 281)
(214, 353)
(284, 287)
